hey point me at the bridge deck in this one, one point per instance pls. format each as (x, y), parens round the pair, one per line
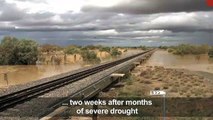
(43, 102)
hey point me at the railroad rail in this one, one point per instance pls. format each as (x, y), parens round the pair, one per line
(10, 100)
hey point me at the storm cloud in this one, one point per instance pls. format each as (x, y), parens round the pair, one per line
(153, 6)
(127, 22)
(10, 12)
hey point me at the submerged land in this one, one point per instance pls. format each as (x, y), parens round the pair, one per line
(181, 78)
(183, 71)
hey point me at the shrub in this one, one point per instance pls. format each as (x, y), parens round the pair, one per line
(49, 48)
(72, 50)
(210, 53)
(115, 52)
(122, 93)
(26, 52)
(170, 50)
(143, 47)
(129, 82)
(163, 47)
(105, 49)
(18, 52)
(185, 49)
(89, 56)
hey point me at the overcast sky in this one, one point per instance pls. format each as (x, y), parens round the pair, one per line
(108, 22)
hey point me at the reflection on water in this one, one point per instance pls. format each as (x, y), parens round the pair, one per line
(26, 73)
(191, 62)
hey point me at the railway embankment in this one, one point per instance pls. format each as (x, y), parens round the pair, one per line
(37, 107)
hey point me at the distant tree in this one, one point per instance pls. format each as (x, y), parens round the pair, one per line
(8, 50)
(72, 50)
(105, 49)
(84, 48)
(185, 49)
(210, 53)
(115, 52)
(1, 55)
(49, 48)
(91, 47)
(90, 56)
(18, 52)
(143, 47)
(27, 52)
(170, 50)
(163, 47)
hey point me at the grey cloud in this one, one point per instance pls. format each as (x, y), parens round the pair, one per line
(64, 21)
(34, 1)
(153, 6)
(10, 12)
(144, 29)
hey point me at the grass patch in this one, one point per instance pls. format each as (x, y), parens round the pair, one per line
(122, 93)
(129, 82)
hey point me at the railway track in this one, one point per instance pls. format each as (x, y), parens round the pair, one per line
(10, 100)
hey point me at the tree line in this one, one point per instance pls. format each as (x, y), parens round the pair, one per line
(186, 49)
(14, 51)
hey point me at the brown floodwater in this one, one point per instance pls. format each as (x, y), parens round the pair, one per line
(190, 62)
(20, 74)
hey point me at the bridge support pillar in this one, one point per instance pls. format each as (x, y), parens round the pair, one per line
(117, 76)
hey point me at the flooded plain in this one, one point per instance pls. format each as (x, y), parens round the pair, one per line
(190, 62)
(21, 74)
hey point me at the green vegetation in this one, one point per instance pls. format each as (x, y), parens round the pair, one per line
(15, 51)
(163, 47)
(92, 47)
(105, 49)
(143, 47)
(210, 53)
(111, 50)
(90, 56)
(88, 53)
(185, 49)
(72, 50)
(18, 52)
(115, 52)
(50, 48)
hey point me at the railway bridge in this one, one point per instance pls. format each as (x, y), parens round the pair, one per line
(44, 98)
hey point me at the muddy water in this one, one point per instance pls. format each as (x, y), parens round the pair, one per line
(27, 73)
(23, 74)
(190, 62)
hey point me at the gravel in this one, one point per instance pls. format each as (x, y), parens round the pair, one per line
(38, 106)
(14, 88)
